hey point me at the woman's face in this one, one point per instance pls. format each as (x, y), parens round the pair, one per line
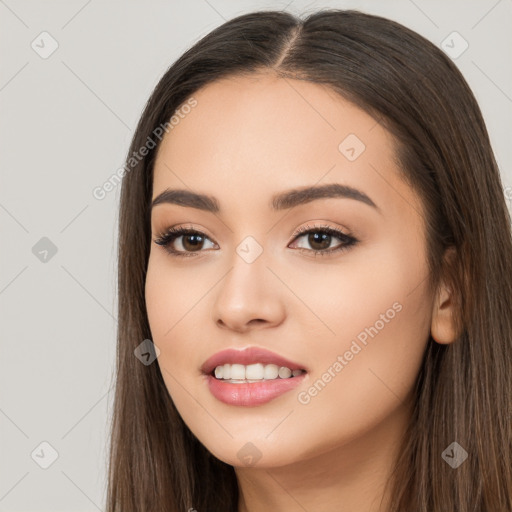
(355, 316)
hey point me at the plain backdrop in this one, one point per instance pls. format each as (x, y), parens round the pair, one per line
(66, 122)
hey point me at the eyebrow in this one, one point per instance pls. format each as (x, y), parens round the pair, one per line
(282, 201)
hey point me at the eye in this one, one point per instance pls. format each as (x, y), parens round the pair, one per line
(193, 241)
(320, 239)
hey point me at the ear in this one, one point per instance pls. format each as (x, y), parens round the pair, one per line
(442, 327)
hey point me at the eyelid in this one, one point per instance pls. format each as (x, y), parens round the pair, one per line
(159, 233)
(319, 227)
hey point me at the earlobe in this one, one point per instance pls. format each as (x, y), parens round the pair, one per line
(443, 327)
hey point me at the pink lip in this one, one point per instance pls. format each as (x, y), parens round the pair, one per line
(248, 356)
(253, 393)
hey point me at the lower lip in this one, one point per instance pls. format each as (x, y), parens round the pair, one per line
(253, 393)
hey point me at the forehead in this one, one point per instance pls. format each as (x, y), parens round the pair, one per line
(249, 136)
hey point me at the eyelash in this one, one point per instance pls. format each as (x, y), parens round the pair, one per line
(171, 234)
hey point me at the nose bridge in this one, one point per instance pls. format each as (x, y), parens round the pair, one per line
(245, 293)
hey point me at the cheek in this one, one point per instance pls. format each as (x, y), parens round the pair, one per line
(380, 312)
(362, 380)
(174, 293)
(178, 312)
(377, 291)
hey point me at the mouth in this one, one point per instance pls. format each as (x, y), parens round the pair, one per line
(253, 363)
(257, 372)
(251, 377)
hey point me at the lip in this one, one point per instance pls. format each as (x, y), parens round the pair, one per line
(248, 356)
(253, 393)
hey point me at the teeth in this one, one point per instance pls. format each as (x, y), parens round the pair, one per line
(238, 371)
(271, 371)
(254, 372)
(284, 372)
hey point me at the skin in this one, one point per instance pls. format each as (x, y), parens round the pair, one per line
(247, 139)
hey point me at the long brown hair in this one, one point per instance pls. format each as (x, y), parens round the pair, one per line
(464, 389)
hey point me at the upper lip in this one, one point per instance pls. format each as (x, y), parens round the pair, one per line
(247, 356)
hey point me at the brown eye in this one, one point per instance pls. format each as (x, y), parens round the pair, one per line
(182, 241)
(319, 239)
(192, 242)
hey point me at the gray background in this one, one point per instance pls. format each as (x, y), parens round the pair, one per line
(66, 123)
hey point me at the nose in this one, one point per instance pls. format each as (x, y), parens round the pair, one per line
(249, 297)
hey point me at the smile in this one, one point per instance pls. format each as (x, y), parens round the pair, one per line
(254, 372)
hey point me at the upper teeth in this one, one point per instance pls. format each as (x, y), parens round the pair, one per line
(256, 371)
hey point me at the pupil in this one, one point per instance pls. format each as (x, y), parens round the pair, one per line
(316, 238)
(196, 242)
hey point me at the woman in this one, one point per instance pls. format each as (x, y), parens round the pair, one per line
(318, 250)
